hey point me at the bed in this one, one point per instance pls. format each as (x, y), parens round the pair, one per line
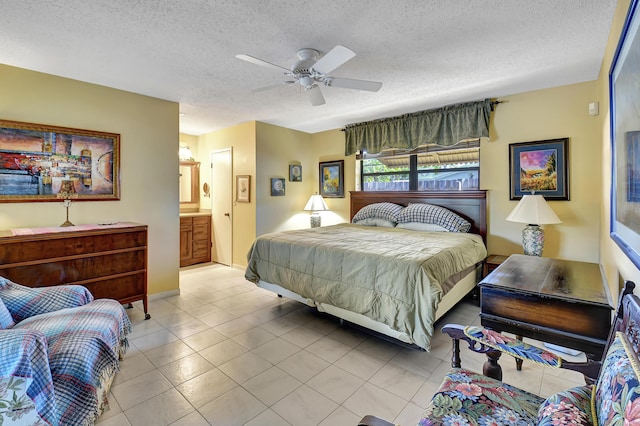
(393, 281)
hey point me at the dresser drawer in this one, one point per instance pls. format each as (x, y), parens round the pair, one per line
(66, 271)
(42, 249)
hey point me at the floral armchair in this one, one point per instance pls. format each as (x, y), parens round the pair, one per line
(611, 398)
(59, 351)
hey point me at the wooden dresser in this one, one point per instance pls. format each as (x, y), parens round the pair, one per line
(109, 260)
(195, 239)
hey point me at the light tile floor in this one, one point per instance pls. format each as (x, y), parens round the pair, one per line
(225, 352)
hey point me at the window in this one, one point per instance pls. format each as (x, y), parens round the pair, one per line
(428, 168)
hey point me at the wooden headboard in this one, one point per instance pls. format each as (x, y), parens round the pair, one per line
(471, 205)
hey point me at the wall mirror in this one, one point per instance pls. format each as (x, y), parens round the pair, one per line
(189, 181)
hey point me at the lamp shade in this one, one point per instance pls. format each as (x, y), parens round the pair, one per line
(533, 209)
(316, 203)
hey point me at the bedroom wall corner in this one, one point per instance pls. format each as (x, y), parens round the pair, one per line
(276, 148)
(242, 140)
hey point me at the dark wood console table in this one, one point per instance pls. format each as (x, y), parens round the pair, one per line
(554, 301)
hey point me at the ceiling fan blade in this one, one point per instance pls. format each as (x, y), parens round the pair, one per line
(349, 83)
(333, 59)
(261, 62)
(315, 96)
(269, 87)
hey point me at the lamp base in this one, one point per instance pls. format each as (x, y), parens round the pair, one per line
(532, 240)
(66, 204)
(315, 220)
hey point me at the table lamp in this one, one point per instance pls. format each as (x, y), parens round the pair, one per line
(314, 205)
(533, 210)
(67, 192)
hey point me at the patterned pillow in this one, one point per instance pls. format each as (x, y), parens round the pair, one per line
(428, 213)
(615, 397)
(386, 211)
(6, 321)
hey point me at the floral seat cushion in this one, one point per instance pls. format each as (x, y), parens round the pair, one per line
(468, 398)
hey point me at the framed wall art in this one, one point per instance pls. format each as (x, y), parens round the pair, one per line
(35, 159)
(243, 188)
(541, 167)
(295, 173)
(625, 138)
(277, 187)
(332, 179)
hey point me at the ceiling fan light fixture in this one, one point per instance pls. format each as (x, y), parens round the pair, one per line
(307, 82)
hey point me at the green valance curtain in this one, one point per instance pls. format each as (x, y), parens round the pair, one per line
(443, 126)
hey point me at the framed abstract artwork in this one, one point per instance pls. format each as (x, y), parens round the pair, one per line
(540, 167)
(36, 159)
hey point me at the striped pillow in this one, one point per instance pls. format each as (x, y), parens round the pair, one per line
(386, 211)
(428, 213)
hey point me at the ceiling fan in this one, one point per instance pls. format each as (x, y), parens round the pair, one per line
(311, 70)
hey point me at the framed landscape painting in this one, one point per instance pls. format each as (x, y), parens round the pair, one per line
(539, 167)
(36, 159)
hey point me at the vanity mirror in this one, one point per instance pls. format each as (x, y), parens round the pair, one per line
(189, 181)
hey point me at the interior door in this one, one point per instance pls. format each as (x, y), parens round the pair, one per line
(221, 206)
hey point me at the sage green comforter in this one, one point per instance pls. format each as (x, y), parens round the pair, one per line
(390, 275)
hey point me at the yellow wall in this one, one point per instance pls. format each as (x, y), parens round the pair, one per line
(242, 140)
(148, 129)
(547, 114)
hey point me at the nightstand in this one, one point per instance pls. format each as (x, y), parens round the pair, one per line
(492, 262)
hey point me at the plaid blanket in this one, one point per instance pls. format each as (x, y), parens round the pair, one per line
(24, 302)
(24, 367)
(84, 346)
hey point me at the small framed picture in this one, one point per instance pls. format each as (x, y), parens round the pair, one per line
(277, 187)
(295, 173)
(243, 188)
(332, 179)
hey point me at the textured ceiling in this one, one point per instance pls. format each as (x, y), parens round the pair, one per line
(427, 53)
